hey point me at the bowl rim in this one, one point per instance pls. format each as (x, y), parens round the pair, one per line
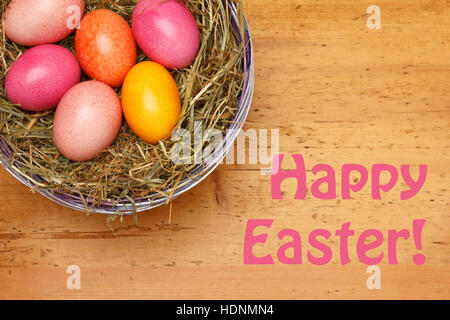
(127, 207)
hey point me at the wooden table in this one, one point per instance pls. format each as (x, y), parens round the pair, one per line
(339, 93)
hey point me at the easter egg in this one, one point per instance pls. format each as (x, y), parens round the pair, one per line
(150, 101)
(41, 76)
(32, 23)
(105, 46)
(87, 120)
(167, 32)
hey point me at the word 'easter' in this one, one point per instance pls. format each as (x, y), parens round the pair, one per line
(291, 252)
(377, 171)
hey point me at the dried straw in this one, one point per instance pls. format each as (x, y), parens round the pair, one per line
(131, 168)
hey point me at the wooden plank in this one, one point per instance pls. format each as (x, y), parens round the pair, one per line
(339, 93)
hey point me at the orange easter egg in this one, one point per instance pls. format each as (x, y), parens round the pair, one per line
(105, 46)
(151, 101)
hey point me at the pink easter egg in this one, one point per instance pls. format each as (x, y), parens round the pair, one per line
(40, 77)
(35, 22)
(87, 120)
(167, 32)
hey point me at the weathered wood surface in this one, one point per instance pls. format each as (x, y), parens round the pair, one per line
(339, 93)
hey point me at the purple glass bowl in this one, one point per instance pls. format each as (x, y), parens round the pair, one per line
(126, 206)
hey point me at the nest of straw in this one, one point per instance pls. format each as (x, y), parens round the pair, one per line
(131, 168)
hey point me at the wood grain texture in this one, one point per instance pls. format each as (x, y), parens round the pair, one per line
(339, 93)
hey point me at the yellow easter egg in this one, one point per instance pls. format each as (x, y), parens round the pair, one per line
(151, 101)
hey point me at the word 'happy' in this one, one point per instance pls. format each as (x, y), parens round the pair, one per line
(377, 171)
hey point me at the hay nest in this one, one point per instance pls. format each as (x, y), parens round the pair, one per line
(131, 168)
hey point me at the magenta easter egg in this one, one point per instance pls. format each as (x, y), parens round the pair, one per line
(87, 120)
(167, 32)
(35, 22)
(41, 76)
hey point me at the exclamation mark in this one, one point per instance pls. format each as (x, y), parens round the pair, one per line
(419, 258)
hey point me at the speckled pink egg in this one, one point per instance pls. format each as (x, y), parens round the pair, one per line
(87, 120)
(35, 22)
(40, 77)
(167, 32)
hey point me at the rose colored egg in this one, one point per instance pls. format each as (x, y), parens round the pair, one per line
(167, 32)
(105, 46)
(87, 120)
(41, 76)
(35, 22)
